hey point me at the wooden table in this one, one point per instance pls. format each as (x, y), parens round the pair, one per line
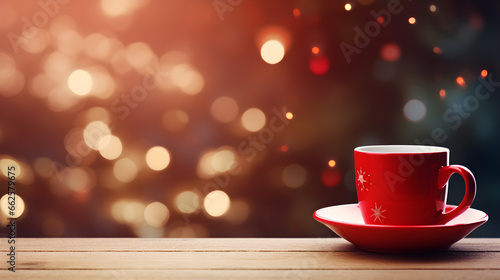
(238, 258)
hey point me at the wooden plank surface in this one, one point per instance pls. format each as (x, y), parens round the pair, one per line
(180, 244)
(239, 258)
(253, 260)
(214, 244)
(252, 274)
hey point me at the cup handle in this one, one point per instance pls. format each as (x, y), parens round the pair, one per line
(470, 189)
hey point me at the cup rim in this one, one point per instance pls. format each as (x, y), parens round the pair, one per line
(401, 149)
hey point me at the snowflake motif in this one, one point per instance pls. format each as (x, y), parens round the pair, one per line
(362, 180)
(377, 212)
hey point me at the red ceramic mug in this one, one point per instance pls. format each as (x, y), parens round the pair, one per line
(407, 184)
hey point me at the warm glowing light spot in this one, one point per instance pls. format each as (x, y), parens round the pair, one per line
(12, 81)
(390, 52)
(69, 42)
(111, 147)
(294, 176)
(224, 109)
(119, 62)
(204, 168)
(57, 65)
(16, 204)
(139, 54)
(175, 120)
(61, 23)
(189, 80)
(115, 8)
(272, 51)
(460, 81)
(437, 50)
(156, 214)
(77, 179)
(75, 144)
(97, 46)
(125, 170)
(103, 84)
(12, 85)
(412, 20)
(332, 163)
(80, 82)
(133, 212)
(442, 93)
(273, 41)
(8, 164)
(94, 134)
(58, 99)
(289, 115)
(223, 160)
(158, 158)
(97, 114)
(216, 161)
(284, 148)
(414, 110)
(173, 58)
(7, 65)
(296, 13)
(129, 212)
(319, 64)
(187, 202)
(216, 203)
(36, 42)
(347, 7)
(432, 8)
(253, 119)
(484, 73)
(117, 209)
(315, 50)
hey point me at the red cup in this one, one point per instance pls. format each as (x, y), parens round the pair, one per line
(407, 184)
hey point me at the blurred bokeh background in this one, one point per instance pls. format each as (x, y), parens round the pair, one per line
(231, 118)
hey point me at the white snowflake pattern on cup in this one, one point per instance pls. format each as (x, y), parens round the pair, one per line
(377, 213)
(362, 179)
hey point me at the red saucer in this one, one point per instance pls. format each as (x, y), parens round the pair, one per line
(346, 221)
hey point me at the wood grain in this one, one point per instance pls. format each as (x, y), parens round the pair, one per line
(253, 260)
(240, 258)
(214, 244)
(255, 274)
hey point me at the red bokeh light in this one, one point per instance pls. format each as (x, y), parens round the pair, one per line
(390, 52)
(442, 93)
(330, 177)
(380, 20)
(319, 65)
